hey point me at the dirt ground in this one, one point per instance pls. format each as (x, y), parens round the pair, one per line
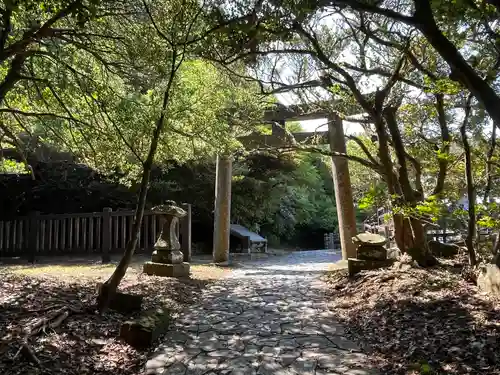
(420, 321)
(84, 343)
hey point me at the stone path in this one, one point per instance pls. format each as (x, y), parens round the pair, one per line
(267, 318)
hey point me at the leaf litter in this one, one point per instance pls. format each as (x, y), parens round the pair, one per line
(419, 321)
(48, 325)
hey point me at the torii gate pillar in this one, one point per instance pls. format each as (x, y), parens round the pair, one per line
(342, 184)
(222, 212)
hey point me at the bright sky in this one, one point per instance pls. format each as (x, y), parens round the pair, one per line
(350, 128)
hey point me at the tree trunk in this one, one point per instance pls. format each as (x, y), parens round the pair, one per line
(481, 90)
(445, 147)
(404, 180)
(420, 250)
(413, 233)
(489, 157)
(471, 193)
(401, 233)
(108, 289)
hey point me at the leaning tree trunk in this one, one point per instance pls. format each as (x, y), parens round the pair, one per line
(413, 229)
(390, 180)
(108, 289)
(471, 191)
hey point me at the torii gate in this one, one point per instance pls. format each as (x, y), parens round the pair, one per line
(342, 183)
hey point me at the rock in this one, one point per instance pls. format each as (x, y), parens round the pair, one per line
(369, 239)
(371, 252)
(444, 250)
(355, 266)
(423, 258)
(488, 279)
(393, 253)
(143, 331)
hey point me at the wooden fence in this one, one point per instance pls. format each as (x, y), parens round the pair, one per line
(331, 240)
(84, 233)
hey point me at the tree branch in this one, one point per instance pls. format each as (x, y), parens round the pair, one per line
(37, 33)
(363, 147)
(369, 8)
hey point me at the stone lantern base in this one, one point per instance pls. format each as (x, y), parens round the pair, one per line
(166, 270)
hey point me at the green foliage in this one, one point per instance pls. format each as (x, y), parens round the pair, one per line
(432, 208)
(280, 197)
(488, 215)
(285, 198)
(442, 86)
(373, 198)
(11, 166)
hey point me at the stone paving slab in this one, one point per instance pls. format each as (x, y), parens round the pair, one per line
(270, 317)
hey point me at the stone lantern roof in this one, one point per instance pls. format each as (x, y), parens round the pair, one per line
(170, 208)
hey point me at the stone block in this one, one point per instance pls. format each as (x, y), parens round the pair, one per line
(444, 250)
(143, 331)
(371, 252)
(355, 266)
(166, 270)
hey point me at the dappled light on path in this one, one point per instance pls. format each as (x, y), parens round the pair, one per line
(269, 317)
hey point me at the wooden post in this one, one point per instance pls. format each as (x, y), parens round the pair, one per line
(185, 225)
(342, 185)
(106, 235)
(32, 242)
(91, 233)
(77, 233)
(56, 235)
(222, 214)
(444, 231)
(246, 244)
(145, 224)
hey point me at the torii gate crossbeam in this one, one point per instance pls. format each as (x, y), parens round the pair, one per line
(343, 192)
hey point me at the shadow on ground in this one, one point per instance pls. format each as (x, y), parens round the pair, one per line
(424, 321)
(270, 317)
(85, 343)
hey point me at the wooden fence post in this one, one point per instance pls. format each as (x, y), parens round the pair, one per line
(34, 222)
(185, 227)
(106, 235)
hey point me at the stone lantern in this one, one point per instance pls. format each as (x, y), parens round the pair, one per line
(167, 259)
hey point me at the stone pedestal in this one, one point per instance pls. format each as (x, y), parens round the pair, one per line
(167, 258)
(166, 270)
